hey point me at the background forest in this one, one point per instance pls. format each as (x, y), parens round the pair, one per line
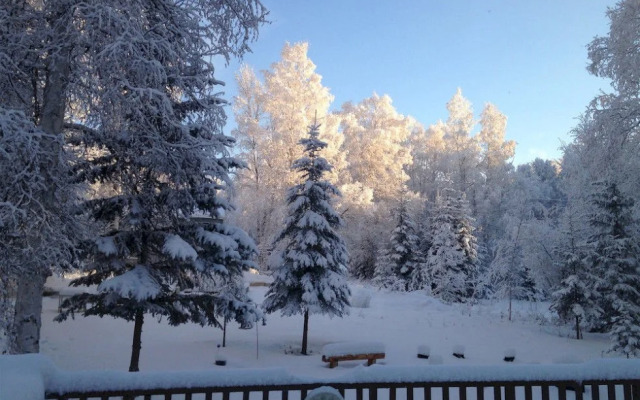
(114, 165)
(442, 208)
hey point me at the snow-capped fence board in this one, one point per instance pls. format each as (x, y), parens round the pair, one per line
(595, 380)
(485, 390)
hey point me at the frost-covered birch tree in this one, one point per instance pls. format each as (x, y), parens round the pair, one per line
(427, 172)
(310, 276)
(61, 65)
(496, 170)
(376, 139)
(463, 151)
(606, 139)
(37, 226)
(604, 150)
(38, 230)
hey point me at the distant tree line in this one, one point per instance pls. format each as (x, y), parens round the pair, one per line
(443, 208)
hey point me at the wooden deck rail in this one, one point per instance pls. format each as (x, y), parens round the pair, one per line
(452, 390)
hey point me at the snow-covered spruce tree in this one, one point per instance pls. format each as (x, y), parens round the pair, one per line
(574, 299)
(452, 257)
(508, 277)
(273, 114)
(310, 277)
(153, 132)
(399, 260)
(614, 255)
(420, 277)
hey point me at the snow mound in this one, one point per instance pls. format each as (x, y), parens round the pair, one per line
(345, 348)
(25, 377)
(324, 393)
(424, 350)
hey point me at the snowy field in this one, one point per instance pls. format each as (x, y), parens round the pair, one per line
(401, 321)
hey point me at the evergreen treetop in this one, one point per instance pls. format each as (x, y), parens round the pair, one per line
(311, 274)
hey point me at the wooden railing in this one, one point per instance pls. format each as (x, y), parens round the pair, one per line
(462, 390)
(593, 380)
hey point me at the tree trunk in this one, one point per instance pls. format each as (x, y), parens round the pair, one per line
(54, 95)
(510, 291)
(224, 333)
(7, 313)
(305, 330)
(137, 342)
(578, 335)
(28, 307)
(28, 312)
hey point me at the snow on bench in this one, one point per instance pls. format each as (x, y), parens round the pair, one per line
(348, 351)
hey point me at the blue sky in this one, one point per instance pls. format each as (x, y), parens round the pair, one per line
(526, 57)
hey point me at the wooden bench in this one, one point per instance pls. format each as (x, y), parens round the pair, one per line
(352, 351)
(371, 358)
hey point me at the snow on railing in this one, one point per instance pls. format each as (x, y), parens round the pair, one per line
(29, 376)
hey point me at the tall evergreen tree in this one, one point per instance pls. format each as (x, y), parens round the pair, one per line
(310, 277)
(153, 133)
(421, 278)
(574, 298)
(452, 258)
(508, 276)
(273, 114)
(397, 265)
(615, 257)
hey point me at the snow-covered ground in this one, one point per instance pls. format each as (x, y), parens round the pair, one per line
(400, 321)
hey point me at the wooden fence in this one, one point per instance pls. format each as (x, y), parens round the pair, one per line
(605, 389)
